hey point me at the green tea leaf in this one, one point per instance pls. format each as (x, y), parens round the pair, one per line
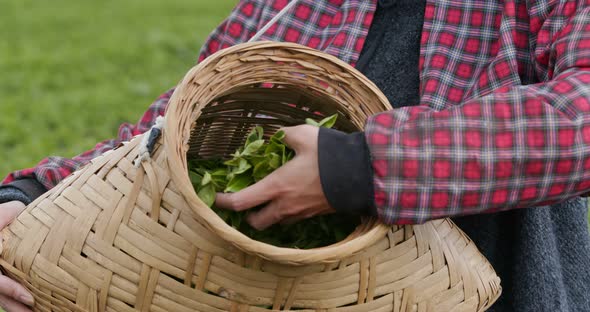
(261, 170)
(243, 166)
(234, 162)
(256, 134)
(275, 147)
(252, 148)
(205, 164)
(260, 132)
(252, 136)
(328, 122)
(219, 174)
(256, 159)
(278, 136)
(219, 179)
(274, 161)
(206, 179)
(200, 171)
(312, 122)
(235, 219)
(195, 178)
(288, 155)
(207, 194)
(222, 213)
(238, 182)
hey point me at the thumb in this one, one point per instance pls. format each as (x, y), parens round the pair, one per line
(9, 211)
(300, 137)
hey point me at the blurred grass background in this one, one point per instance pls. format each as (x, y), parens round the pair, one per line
(72, 71)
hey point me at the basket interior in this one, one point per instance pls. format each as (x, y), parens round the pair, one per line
(225, 122)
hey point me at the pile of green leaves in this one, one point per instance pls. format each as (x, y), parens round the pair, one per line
(250, 164)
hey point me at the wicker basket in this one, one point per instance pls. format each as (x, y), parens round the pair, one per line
(113, 237)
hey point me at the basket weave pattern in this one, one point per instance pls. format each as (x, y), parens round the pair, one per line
(112, 237)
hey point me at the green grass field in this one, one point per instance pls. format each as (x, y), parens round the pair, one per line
(72, 71)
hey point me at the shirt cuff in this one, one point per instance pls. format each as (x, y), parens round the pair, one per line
(346, 173)
(25, 190)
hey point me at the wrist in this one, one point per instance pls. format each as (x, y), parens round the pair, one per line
(345, 172)
(25, 190)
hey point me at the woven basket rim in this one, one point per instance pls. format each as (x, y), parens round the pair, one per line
(176, 136)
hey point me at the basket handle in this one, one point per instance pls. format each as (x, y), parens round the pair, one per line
(267, 26)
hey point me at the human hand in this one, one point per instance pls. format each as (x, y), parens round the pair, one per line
(291, 193)
(13, 296)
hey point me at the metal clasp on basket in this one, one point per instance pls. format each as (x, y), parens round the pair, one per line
(148, 142)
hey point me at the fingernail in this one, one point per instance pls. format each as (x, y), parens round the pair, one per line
(27, 299)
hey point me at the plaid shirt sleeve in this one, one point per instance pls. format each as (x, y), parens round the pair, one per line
(516, 147)
(51, 170)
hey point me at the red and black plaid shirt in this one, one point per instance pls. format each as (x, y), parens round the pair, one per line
(504, 116)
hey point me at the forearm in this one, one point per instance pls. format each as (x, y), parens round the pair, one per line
(25, 191)
(515, 148)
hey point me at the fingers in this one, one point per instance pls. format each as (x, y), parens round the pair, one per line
(15, 291)
(256, 194)
(299, 137)
(11, 305)
(266, 216)
(14, 295)
(9, 211)
(290, 136)
(288, 184)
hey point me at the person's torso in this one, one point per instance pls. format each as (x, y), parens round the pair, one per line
(441, 54)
